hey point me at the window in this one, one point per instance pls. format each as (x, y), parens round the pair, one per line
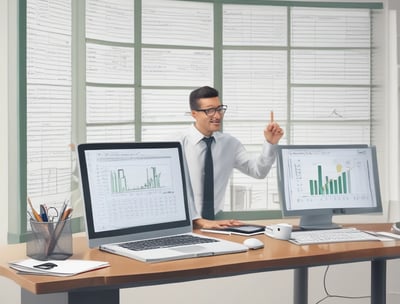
(49, 101)
(110, 66)
(122, 70)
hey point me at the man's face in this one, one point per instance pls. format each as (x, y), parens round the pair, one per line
(207, 124)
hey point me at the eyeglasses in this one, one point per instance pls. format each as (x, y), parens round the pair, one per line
(211, 112)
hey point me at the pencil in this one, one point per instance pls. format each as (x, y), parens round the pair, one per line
(66, 213)
(272, 116)
(36, 215)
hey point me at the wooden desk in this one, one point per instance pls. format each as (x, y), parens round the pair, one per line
(102, 286)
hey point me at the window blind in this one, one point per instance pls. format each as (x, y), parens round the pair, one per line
(110, 70)
(177, 55)
(330, 79)
(49, 99)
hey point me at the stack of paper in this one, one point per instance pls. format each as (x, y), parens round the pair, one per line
(59, 268)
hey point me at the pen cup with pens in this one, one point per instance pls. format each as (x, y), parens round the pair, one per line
(51, 238)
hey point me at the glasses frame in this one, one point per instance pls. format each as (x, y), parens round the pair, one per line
(211, 111)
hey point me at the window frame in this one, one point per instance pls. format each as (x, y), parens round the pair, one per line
(17, 229)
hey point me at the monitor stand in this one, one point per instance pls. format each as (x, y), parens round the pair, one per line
(317, 222)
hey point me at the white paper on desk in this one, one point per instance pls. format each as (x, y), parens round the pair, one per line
(385, 236)
(68, 267)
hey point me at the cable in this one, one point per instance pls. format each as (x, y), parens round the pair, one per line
(329, 295)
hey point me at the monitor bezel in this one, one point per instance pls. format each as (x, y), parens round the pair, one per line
(321, 218)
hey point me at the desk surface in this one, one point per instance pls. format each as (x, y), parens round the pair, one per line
(127, 272)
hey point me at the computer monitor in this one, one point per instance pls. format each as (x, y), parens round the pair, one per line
(318, 181)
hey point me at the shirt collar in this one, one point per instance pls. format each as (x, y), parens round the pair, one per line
(196, 136)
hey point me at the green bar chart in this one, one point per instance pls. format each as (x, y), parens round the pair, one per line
(325, 185)
(121, 184)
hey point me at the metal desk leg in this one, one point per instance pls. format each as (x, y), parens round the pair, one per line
(108, 296)
(29, 298)
(378, 281)
(300, 295)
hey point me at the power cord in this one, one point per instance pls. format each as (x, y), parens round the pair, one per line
(329, 295)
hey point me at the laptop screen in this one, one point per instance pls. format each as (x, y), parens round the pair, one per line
(133, 190)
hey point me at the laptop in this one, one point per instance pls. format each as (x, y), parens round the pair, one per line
(135, 197)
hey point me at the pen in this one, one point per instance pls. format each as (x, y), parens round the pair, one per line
(63, 209)
(58, 229)
(216, 231)
(43, 213)
(30, 215)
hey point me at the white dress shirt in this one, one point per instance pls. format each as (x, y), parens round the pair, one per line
(228, 153)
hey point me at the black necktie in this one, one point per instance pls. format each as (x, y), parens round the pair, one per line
(208, 190)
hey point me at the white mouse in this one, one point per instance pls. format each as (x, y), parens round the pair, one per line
(253, 243)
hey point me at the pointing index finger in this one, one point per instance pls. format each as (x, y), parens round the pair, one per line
(271, 116)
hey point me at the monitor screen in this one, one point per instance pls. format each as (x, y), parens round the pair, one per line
(316, 182)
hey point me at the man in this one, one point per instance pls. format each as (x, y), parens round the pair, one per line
(227, 153)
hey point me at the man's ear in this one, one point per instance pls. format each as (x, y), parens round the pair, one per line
(194, 113)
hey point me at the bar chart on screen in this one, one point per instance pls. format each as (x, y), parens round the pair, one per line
(331, 178)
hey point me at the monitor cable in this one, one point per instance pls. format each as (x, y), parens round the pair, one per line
(329, 295)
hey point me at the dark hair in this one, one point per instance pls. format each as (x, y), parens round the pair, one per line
(203, 92)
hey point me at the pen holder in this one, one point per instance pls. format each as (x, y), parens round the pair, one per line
(50, 240)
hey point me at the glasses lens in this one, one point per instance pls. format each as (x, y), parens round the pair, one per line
(212, 111)
(222, 109)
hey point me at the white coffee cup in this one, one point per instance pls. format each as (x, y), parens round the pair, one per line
(282, 231)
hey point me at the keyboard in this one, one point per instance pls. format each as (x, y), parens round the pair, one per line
(166, 242)
(309, 237)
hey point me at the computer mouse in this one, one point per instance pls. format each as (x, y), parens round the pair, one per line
(253, 243)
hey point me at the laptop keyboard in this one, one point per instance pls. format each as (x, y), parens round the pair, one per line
(166, 242)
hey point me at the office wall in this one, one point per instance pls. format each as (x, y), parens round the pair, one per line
(3, 114)
(8, 290)
(272, 287)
